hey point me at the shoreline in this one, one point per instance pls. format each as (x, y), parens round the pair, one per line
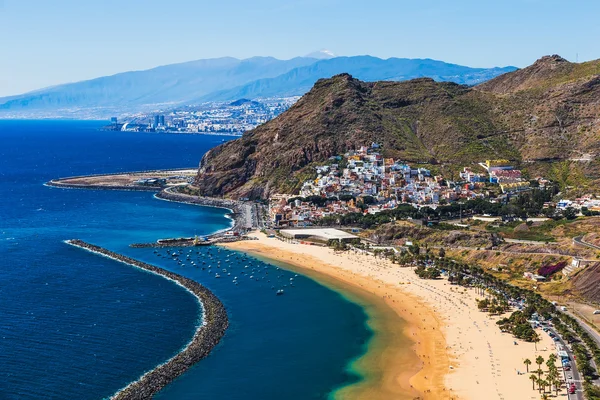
(238, 211)
(457, 351)
(209, 332)
(390, 367)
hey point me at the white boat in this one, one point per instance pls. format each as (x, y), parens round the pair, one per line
(279, 292)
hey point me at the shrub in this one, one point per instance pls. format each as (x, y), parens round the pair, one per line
(550, 269)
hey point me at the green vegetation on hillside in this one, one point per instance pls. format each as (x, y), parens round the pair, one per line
(536, 117)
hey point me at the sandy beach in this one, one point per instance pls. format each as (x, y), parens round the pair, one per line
(430, 340)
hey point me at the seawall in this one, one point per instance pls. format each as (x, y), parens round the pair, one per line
(237, 208)
(58, 184)
(207, 336)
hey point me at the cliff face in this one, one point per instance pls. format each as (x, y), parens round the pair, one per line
(587, 283)
(548, 111)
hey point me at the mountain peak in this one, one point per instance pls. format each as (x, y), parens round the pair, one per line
(546, 69)
(550, 61)
(322, 54)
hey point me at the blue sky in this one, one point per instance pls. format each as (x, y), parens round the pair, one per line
(46, 42)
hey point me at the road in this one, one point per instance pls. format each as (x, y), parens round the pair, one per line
(573, 372)
(524, 241)
(579, 240)
(592, 332)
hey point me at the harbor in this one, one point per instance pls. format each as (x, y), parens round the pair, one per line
(226, 237)
(166, 185)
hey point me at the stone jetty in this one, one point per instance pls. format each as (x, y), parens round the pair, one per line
(207, 336)
(241, 214)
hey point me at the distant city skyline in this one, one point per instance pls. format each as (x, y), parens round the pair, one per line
(52, 42)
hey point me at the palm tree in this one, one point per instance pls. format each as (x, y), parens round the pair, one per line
(527, 363)
(544, 397)
(557, 387)
(539, 372)
(556, 384)
(542, 385)
(539, 361)
(533, 380)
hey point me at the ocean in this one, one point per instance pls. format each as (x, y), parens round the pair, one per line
(79, 326)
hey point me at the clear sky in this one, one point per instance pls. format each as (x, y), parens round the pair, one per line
(46, 42)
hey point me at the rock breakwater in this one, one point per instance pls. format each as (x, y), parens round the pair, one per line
(241, 214)
(207, 336)
(63, 185)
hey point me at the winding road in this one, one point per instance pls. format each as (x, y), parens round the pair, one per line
(579, 240)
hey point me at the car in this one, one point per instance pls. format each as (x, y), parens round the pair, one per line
(570, 376)
(572, 390)
(596, 312)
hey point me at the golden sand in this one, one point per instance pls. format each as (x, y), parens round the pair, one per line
(430, 341)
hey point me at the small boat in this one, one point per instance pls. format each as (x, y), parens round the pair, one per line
(279, 292)
(217, 276)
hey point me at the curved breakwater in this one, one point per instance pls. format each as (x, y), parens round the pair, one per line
(239, 211)
(207, 336)
(59, 184)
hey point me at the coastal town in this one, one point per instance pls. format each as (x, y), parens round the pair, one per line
(215, 118)
(363, 181)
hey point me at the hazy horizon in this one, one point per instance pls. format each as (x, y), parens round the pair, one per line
(214, 58)
(68, 40)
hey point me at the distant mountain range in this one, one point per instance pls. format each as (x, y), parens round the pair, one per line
(366, 68)
(223, 79)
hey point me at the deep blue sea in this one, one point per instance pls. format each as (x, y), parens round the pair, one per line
(74, 325)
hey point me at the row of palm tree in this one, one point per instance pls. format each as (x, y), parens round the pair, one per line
(552, 376)
(474, 276)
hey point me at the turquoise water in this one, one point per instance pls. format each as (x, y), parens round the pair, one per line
(75, 325)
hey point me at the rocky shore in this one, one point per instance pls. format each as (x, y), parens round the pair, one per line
(242, 220)
(207, 336)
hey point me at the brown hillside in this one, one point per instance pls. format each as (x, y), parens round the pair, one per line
(539, 73)
(587, 283)
(549, 111)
